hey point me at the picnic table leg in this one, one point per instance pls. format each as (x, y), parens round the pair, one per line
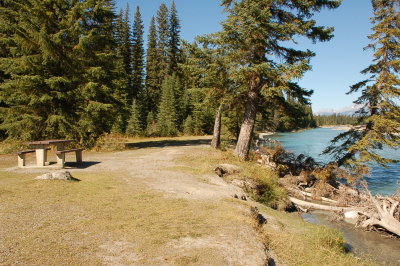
(41, 156)
(61, 159)
(78, 156)
(21, 160)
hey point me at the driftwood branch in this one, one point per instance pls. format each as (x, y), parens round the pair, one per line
(316, 206)
(386, 208)
(308, 194)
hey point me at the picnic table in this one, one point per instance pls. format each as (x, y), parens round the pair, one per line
(42, 146)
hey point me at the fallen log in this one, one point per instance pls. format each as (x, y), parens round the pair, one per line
(316, 206)
(307, 194)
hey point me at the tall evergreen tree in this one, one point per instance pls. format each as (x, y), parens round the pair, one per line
(134, 127)
(379, 96)
(174, 40)
(138, 54)
(153, 90)
(124, 43)
(62, 75)
(167, 116)
(255, 34)
(163, 35)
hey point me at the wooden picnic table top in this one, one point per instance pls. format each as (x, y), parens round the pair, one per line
(50, 141)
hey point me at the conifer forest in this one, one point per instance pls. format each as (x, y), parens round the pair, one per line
(80, 69)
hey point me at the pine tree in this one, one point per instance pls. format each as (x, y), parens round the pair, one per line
(138, 55)
(124, 43)
(63, 80)
(188, 126)
(255, 34)
(152, 87)
(134, 127)
(167, 117)
(151, 128)
(179, 100)
(163, 35)
(174, 40)
(379, 96)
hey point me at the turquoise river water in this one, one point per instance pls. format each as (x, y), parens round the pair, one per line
(312, 142)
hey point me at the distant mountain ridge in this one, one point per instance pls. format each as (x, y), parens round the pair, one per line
(348, 110)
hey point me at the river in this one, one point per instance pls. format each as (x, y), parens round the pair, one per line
(312, 142)
(382, 180)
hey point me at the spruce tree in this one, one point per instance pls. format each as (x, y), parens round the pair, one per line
(151, 127)
(163, 35)
(188, 126)
(174, 40)
(153, 89)
(62, 75)
(380, 112)
(134, 127)
(124, 43)
(179, 100)
(103, 86)
(38, 89)
(167, 117)
(138, 54)
(254, 35)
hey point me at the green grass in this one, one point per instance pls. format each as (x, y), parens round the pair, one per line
(297, 242)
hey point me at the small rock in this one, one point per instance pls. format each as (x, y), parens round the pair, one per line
(58, 175)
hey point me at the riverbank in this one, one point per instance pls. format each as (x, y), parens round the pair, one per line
(338, 127)
(154, 205)
(358, 241)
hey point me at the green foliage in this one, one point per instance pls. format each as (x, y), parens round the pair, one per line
(379, 95)
(335, 119)
(151, 124)
(152, 69)
(189, 126)
(138, 55)
(255, 39)
(62, 75)
(167, 117)
(174, 40)
(163, 40)
(134, 127)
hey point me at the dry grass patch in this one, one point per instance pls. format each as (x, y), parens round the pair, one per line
(204, 160)
(104, 220)
(294, 241)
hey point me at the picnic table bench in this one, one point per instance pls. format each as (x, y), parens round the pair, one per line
(22, 156)
(61, 156)
(41, 147)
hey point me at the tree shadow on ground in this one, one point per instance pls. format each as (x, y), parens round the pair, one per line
(82, 165)
(167, 143)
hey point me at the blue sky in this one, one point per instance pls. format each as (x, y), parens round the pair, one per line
(337, 63)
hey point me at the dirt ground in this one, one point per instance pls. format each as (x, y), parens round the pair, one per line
(131, 207)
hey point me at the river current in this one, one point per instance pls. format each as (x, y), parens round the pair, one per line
(312, 142)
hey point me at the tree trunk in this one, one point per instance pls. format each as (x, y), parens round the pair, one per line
(216, 140)
(246, 130)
